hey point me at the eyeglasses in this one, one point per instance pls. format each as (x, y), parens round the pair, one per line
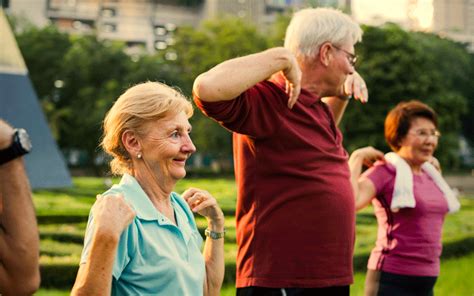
(425, 134)
(352, 58)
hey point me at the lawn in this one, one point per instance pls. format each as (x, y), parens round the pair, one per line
(62, 216)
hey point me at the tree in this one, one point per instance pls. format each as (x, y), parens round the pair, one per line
(77, 79)
(43, 50)
(399, 66)
(200, 49)
(93, 73)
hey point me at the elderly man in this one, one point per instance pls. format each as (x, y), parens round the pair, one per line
(19, 240)
(295, 209)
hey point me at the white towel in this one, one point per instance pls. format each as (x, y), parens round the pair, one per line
(403, 188)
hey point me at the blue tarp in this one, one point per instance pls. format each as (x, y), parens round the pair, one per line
(19, 106)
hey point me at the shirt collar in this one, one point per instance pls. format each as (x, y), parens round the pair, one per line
(144, 208)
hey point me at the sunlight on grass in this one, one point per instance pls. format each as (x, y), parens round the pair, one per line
(49, 292)
(61, 236)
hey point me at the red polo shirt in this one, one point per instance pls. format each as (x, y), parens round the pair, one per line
(295, 208)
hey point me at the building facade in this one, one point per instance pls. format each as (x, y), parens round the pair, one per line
(455, 19)
(150, 24)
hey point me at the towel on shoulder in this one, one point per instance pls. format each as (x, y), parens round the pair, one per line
(403, 189)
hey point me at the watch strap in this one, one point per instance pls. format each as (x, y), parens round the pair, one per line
(13, 151)
(214, 234)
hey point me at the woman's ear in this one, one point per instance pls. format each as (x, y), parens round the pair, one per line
(131, 143)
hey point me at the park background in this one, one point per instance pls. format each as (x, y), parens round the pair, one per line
(77, 77)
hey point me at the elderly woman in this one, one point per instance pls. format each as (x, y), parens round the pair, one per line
(410, 200)
(141, 238)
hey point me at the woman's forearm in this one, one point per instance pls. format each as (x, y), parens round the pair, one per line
(95, 276)
(355, 165)
(363, 188)
(214, 259)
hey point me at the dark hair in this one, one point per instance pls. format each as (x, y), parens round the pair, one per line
(399, 119)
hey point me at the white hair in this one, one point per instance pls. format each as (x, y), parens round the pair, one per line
(311, 27)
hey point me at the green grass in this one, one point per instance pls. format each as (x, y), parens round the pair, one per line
(62, 216)
(52, 292)
(455, 279)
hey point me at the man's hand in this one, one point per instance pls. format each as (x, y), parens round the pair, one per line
(112, 214)
(292, 76)
(355, 86)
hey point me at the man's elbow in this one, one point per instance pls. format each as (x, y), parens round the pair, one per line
(26, 285)
(204, 89)
(33, 283)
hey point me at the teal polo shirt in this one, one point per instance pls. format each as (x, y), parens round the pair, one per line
(154, 256)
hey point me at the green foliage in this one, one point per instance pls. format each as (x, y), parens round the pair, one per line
(43, 50)
(277, 34)
(400, 66)
(153, 68)
(92, 81)
(396, 64)
(199, 50)
(59, 276)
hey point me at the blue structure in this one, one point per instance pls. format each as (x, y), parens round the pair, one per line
(20, 107)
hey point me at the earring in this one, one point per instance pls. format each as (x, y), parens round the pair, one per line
(139, 155)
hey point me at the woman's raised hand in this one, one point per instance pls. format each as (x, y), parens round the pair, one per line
(202, 202)
(369, 155)
(112, 214)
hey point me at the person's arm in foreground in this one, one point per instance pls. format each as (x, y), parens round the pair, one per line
(364, 189)
(112, 215)
(201, 202)
(229, 79)
(19, 241)
(355, 87)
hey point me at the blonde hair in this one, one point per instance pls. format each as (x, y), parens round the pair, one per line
(311, 27)
(138, 105)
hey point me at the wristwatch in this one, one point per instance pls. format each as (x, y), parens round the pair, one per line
(20, 145)
(213, 234)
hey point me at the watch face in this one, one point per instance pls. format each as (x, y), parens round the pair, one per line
(24, 139)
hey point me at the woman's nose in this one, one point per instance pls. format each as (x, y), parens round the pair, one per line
(188, 145)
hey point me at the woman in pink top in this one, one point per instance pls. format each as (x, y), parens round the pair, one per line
(405, 260)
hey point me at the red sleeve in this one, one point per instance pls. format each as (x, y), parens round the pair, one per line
(258, 112)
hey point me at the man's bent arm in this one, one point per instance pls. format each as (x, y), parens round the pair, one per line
(229, 79)
(19, 241)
